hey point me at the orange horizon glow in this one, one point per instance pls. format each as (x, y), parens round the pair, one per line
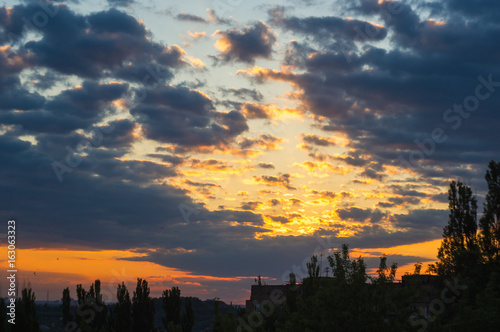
(52, 269)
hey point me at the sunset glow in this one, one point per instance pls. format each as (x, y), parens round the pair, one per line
(200, 146)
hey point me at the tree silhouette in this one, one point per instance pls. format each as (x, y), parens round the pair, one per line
(171, 300)
(143, 310)
(313, 267)
(66, 302)
(26, 319)
(459, 248)
(3, 314)
(291, 293)
(490, 221)
(91, 312)
(386, 274)
(217, 324)
(123, 309)
(188, 317)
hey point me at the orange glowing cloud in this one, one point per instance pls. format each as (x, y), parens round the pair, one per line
(313, 166)
(269, 111)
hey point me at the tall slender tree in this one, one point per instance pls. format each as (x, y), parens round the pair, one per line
(188, 316)
(459, 248)
(123, 309)
(26, 318)
(143, 310)
(489, 223)
(66, 309)
(313, 267)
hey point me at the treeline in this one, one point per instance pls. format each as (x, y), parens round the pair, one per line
(134, 314)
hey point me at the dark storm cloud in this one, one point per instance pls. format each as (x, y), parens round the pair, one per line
(441, 198)
(405, 200)
(91, 46)
(69, 110)
(406, 190)
(12, 94)
(360, 215)
(31, 185)
(248, 44)
(272, 257)
(277, 255)
(422, 219)
(484, 10)
(186, 117)
(137, 171)
(119, 134)
(17, 97)
(174, 160)
(389, 101)
(328, 28)
(87, 101)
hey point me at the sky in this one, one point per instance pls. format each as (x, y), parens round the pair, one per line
(200, 144)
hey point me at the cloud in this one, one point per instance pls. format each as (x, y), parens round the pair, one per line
(121, 3)
(173, 159)
(251, 205)
(71, 109)
(281, 180)
(266, 165)
(318, 140)
(243, 93)
(327, 28)
(109, 43)
(280, 218)
(372, 174)
(190, 18)
(327, 194)
(187, 118)
(373, 94)
(422, 219)
(265, 141)
(246, 45)
(360, 215)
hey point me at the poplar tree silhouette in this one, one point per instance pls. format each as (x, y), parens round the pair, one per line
(123, 309)
(459, 249)
(26, 319)
(143, 310)
(188, 317)
(490, 221)
(66, 303)
(171, 300)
